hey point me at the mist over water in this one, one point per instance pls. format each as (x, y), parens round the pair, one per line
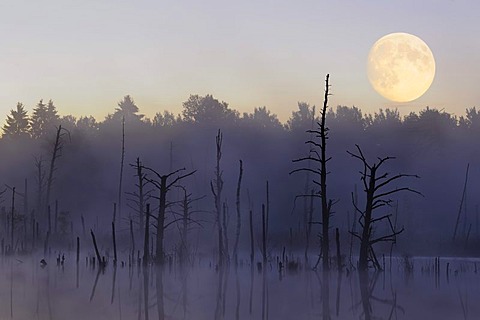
(30, 291)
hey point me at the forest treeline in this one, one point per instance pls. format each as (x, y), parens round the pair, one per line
(208, 111)
(431, 143)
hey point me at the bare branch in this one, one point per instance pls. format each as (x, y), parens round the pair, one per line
(395, 191)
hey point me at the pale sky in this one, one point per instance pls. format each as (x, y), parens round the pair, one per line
(86, 55)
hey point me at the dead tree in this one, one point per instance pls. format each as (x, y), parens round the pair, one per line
(462, 205)
(56, 152)
(239, 218)
(146, 237)
(122, 159)
(164, 186)
(225, 220)
(185, 221)
(377, 188)
(25, 200)
(12, 221)
(138, 199)
(216, 186)
(318, 157)
(40, 177)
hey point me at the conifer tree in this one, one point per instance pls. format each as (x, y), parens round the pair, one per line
(18, 123)
(44, 119)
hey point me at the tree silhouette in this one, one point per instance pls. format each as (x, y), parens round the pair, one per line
(164, 183)
(216, 186)
(302, 118)
(44, 119)
(318, 157)
(165, 119)
(377, 188)
(87, 125)
(208, 110)
(128, 109)
(263, 118)
(17, 124)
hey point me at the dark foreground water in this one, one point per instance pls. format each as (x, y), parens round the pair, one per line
(408, 289)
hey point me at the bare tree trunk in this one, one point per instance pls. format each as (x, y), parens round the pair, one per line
(114, 244)
(264, 237)
(461, 204)
(267, 216)
(321, 159)
(339, 256)
(161, 220)
(217, 194)
(97, 253)
(55, 154)
(12, 220)
(121, 170)
(132, 239)
(308, 226)
(25, 201)
(252, 252)
(225, 233)
(163, 186)
(78, 250)
(323, 181)
(146, 238)
(140, 191)
(40, 185)
(114, 212)
(239, 218)
(184, 244)
(375, 184)
(55, 222)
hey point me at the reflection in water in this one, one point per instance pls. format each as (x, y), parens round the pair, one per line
(221, 294)
(218, 306)
(367, 288)
(146, 298)
(252, 277)
(160, 293)
(237, 286)
(184, 284)
(339, 286)
(94, 288)
(326, 296)
(113, 283)
(264, 294)
(200, 292)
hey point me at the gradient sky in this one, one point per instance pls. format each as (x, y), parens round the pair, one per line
(86, 55)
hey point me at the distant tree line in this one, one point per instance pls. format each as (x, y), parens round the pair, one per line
(207, 111)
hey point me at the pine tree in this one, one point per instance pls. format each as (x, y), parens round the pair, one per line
(17, 124)
(128, 109)
(44, 119)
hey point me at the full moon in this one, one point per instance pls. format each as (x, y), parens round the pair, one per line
(400, 67)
